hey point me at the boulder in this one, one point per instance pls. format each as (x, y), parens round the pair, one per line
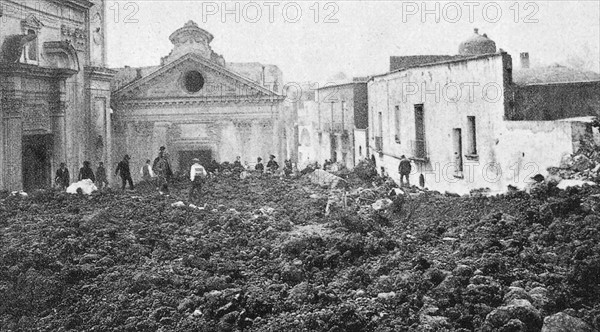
(519, 309)
(516, 293)
(562, 322)
(539, 296)
(386, 296)
(381, 204)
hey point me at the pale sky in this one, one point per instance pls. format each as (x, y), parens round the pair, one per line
(354, 37)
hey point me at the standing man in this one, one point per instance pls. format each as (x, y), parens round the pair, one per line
(146, 171)
(260, 168)
(237, 166)
(124, 171)
(162, 169)
(197, 176)
(288, 167)
(272, 165)
(101, 180)
(86, 172)
(62, 177)
(404, 169)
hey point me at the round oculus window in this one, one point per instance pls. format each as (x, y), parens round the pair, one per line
(193, 81)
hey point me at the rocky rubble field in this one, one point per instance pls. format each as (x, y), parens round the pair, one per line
(264, 256)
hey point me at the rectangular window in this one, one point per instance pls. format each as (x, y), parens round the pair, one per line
(380, 128)
(379, 136)
(472, 135)
(397, 118)
(457, 145)
(419, 146)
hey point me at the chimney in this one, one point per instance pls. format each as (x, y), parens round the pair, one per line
(138, 73)
(476, 31)
(524, 60)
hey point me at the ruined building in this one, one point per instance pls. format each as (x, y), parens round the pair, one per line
(472, 120)
(54, 90)
(327, 123)
(198, 105)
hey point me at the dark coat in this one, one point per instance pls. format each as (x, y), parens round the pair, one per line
(123, 168)
(405, 167)
(158, 169)
(62, 177)
(272, 165)
(101, 174)
(86, 173)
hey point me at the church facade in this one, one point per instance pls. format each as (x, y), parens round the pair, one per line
(199, 106)
(54, 90)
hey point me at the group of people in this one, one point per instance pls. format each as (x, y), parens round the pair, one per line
(63, 178)
(159, 172)
(161, 169)
(237, 167)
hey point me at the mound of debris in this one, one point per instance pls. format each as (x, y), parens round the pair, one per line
(582, 165)
(262, 255)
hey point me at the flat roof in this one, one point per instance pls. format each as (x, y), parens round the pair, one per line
(466, 58)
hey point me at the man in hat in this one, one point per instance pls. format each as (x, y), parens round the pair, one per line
(272, 165)
(197, 176)
(162, 169)
(62, 176)
(124, 171)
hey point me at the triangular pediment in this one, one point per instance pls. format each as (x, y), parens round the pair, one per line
(32, 22)
(169, 82)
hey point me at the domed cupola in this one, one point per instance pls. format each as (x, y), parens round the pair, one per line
(191, 39)
(477, 44)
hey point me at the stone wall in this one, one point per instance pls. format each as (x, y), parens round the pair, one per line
(556, 101)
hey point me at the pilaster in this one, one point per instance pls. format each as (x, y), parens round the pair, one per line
(12, 135)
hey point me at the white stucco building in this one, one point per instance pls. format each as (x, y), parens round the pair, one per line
(466, 125)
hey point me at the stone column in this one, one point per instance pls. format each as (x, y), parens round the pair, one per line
(12, 135)
(109, 145)
(3, 106)
(59, 144)
(129, 138)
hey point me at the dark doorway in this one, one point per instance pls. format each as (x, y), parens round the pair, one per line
(334, 146)
(37, 156)
(185, 159)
